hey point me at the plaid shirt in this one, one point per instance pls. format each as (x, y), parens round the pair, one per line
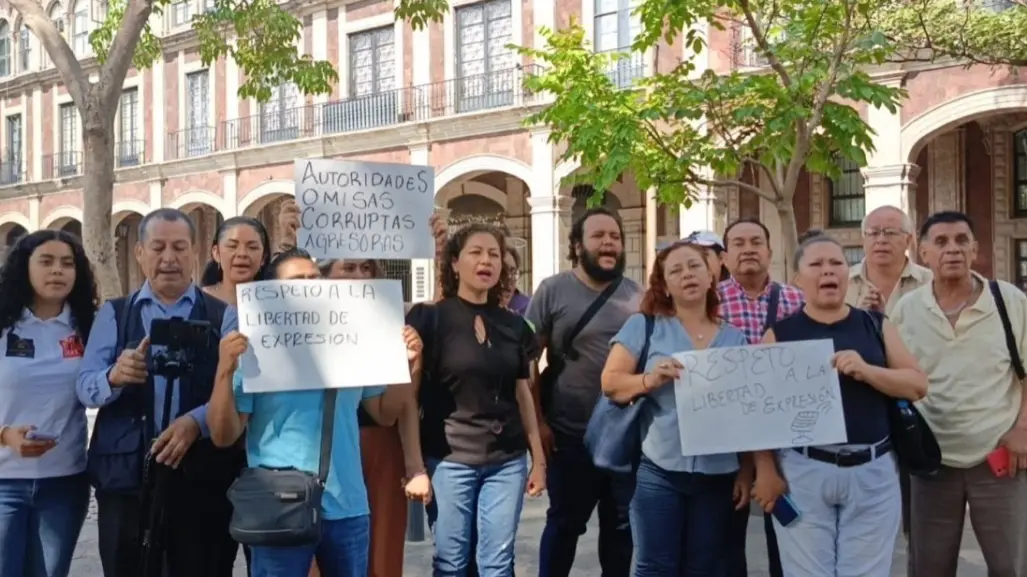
(750, 315)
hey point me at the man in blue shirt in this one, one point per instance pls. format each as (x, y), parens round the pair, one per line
(117, 376)
(284, 430)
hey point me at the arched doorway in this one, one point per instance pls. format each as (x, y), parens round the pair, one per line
(266, 210)
(126, 235)
(10, 233)
(67, 224)
(207, 219)
(496, 197)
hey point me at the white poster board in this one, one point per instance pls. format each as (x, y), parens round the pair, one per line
(322, 334)
(354, 209)
(752, 398)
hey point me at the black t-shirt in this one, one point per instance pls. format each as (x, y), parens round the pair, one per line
(468, 399)
(865, 408)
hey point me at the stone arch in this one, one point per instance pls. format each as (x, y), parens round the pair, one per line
(477, 163)
(195, 198)
(126, 208)
(964, 108)
(469, 188)
(60, 216)
(14, 219)
(255, 200)
(620, 192)
(13, 226)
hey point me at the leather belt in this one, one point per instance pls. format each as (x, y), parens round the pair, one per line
(847, 457)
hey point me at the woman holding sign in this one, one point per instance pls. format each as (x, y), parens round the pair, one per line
(682, 506)
(478, 416)
(842, 501)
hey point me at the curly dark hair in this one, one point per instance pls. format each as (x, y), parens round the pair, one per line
(16, 292)
(450, 254)
(213, 273)
(657, 301)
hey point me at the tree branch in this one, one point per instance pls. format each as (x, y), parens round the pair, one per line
(717, 183)
(64, 59)
(123, 47)
(760, 37)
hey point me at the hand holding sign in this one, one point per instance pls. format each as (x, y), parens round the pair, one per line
(131, 366)
(665, 371)
(230, 349)
(851, 364)
(289, 221)
(414, 344)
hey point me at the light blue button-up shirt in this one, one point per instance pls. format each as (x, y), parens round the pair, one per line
(661, 438)
(93, 387)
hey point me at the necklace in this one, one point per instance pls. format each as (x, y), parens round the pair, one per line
(954, 312)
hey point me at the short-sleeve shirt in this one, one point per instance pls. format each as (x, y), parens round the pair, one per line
(865, 408)
(661, 439)
(470, 413)
(284, 430)
(913, 276)
(557, 305)
(750, 315)
(39, 361)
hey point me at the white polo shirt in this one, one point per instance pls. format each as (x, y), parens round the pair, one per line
(39, 362)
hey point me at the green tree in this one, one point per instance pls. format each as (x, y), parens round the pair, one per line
(257, 34)
(682, 129)
(987, 32)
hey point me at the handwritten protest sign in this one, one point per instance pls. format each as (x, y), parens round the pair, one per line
(353, 209)
(752, 398)
(322, 334)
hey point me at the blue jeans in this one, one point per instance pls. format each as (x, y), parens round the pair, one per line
(576, 488)
(40, 520)
(488, 497)
(342, 552)
(680, 522)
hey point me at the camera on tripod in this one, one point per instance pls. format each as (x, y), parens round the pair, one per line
(181, 338)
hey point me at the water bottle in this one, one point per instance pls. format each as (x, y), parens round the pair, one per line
(908, 417)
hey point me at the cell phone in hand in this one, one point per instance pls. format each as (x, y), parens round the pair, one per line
(999, 462)
(785, 511)
(40, 436)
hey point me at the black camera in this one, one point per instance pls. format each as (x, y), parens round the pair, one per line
(181, 338)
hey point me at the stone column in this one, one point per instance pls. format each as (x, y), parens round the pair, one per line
(550, 224)
(946, 176)
(422, 270)
(634, 243)
(893, 185)
(649, 198)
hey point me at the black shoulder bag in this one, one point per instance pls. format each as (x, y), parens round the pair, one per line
(775, 299)
(914, 442)
(1007, 327)
(282, 507)
(555, 364)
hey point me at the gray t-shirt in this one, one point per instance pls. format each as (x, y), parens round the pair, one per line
(555, 308)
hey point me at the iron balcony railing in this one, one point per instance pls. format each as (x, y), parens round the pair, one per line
(63, 164)
(12, 171)
(361, 112)
(129, 153)
(624, 71)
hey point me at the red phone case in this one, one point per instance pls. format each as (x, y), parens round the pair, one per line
(998, 460)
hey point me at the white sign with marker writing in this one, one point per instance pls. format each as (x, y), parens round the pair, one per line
(354, 209)
(322, 334)
(752, 398)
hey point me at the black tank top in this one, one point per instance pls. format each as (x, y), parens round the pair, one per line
(865, 408)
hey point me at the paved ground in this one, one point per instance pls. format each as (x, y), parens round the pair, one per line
(418, 555)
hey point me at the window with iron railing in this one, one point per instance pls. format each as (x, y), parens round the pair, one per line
(5, 48)
(67, 156)
(11, 169)
(853, 254)
(1020, 250)
(80, 29)
(280, 116)
(198, 138)
(1020, 173)
(25, 49)
(846, 194)
(616, 27)
(181, 13)
(129, 150)
(487, 77)
(373, 96)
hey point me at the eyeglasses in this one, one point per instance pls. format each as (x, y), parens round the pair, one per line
(888, 233)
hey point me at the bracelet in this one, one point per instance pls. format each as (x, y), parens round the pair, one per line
(645, 387)
(3, 429)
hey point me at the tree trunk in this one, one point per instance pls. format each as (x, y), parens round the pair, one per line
(789, 236)
(98, 199)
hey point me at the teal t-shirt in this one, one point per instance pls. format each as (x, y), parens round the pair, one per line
(284, 430)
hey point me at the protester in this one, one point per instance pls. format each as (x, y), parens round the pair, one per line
(478, 418)
(566, 396)
(513, 298)
(887, 238)
(682, 507)
(242, 249)
(975, 406)
(47, 304)
(119, 375)
(848, 494)
(281, 427)
(751, 301)
(714, 253)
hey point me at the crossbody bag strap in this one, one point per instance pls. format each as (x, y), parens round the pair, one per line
(775, 299)
(590, 313)
(1007, 327)
(327, 434)
(643, 355)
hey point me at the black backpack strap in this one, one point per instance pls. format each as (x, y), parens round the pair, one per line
(877, 321)
(122, 311)
(643, 355)
(568, 339)
(775, 299)
(1007, 327)
(215, 309)
(327, 434)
